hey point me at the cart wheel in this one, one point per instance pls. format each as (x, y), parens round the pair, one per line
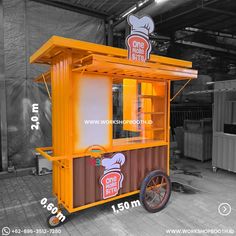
(53, 221)
(155, 191)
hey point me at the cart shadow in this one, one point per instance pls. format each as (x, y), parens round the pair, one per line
(103, 209)
(107, 207)
(182, 188)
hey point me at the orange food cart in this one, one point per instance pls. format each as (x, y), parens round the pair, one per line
(90, 166)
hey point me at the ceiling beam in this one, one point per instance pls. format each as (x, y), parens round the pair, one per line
(199, 5)
(210, 32)
(172, 26)
(76, 8)
(213, 22)
(228, 13)
(206, 46)
(226, 27)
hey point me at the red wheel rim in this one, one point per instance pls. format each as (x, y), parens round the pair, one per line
(157, 191)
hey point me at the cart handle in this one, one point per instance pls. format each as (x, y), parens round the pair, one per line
(47, 156)
(96, 154)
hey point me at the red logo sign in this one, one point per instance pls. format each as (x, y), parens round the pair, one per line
(112, 179)
(137, 42)
(138, 48)
(111, 184)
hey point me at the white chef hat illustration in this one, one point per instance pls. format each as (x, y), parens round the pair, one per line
(143, 26)
(113, 163)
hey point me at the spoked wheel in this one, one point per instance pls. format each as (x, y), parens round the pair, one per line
(155, 191)
(53, 221)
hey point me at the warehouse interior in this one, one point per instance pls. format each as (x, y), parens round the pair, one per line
(202, 115)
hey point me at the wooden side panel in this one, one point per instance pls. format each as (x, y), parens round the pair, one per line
(138, 163)
(79, 179)
(133, 170)
(89, 181)
(126, 170)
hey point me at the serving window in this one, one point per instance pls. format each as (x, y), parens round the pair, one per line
(139, 111)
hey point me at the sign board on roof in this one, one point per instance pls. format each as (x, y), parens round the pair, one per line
(138, 44)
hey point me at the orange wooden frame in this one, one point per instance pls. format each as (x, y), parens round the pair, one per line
(68, 56)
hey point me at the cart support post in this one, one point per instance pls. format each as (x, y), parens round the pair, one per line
(180, 90)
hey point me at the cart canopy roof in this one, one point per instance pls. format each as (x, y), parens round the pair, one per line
(96, 58)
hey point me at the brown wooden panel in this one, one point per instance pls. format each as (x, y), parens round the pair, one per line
(142, 165)
(133, 174)
(89, 181)
(126, 171)
(98, 189)
(138, 164)
(79, 182)
(156, 158)
(163, 164)
(149, 160)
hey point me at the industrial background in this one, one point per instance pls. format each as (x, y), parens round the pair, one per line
(202, 116)
(199, 31)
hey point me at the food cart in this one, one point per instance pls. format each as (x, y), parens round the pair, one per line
(90, 166)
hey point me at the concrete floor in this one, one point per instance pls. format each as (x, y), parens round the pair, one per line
(20, 206)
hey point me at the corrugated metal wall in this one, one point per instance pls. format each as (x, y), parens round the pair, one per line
(224, 151)
(220, 106)
(224, 145)
(86, 177)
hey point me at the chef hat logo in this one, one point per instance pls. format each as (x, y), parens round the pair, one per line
(142, 26)
(113, 163)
